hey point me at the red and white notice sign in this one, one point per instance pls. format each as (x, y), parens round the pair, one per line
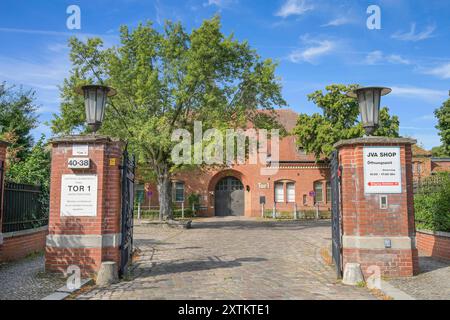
(382, 170)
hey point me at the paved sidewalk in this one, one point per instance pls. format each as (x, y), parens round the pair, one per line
(433, 283)
(26, 280)
(232, 258)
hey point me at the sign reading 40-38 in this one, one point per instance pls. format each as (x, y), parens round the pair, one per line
(382, 170)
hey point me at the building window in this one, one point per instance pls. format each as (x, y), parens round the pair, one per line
(419, 168)
(328, 192)
(305, 200)
(290, 190)
(279, 192)
(178, 189)
(318, 189)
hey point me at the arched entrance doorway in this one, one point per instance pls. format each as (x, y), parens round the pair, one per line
(229, 197)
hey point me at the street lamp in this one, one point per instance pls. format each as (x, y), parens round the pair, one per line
(369, 99)
(95, 97)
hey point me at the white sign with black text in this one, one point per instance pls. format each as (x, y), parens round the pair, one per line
(382, 170)
(79, 195)
(80, 150)
(79, 163)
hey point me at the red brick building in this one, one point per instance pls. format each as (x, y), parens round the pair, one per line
(440, 164)
(300, 181)
(240, 189)
(424, 165)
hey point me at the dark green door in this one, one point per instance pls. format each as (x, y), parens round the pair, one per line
(229, 197)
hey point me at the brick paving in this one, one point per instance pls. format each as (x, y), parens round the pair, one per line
(26, 280)
(433, 283)
(232, 258)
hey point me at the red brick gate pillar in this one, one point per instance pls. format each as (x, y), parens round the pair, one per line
(377, 204)
(85, 203)
(3, 146)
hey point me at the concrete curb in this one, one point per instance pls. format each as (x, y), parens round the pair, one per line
(64, 292)
(393, 292)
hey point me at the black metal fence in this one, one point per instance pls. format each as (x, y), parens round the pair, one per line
(23, 207)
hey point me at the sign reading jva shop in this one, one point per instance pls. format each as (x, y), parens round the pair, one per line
(382, 170)
(79, 195)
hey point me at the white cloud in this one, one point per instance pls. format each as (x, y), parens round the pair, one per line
(397, 59)
(294, 7)
(219, 3)
(420, 93)
(413, 36)
(374, 57)
(42, 75)
(442, 71)
(337, 22)
(378, 57)
(315, 49)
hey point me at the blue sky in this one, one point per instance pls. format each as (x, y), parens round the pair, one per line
(315, 42)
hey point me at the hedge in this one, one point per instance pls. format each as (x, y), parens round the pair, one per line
(154, 214)
(308, 214)
(432, 209)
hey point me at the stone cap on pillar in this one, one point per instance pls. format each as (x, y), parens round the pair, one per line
(375, 140)
(84, 138)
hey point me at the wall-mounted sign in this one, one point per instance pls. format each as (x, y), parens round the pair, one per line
(80, 150)
(382, 170)
(262, 200)
(112, 162)
(263, 185)
(79, 195)
(312, 193)
(79, 163)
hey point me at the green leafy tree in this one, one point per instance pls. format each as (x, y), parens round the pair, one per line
(443, 116)
(439, 152)
(17, 118)
(318, 133)
(165, 81)
(34, 169)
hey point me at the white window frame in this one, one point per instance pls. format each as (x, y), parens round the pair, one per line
(290, 192)
(279, 196)
(315, 190)
(175, 184)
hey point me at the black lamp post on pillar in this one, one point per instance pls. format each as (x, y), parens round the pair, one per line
(369, 99)
(95, 98)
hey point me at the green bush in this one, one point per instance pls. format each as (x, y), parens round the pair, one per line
(309, 214)
(154, 214)
(433, 209)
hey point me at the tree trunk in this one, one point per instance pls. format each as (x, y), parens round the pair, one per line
(165, 194)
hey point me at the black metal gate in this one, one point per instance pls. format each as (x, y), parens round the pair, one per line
(128, 171)
(336, 212)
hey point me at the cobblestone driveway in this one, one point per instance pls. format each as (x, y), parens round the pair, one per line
(26, 280)
(232, 258)
(433, 283)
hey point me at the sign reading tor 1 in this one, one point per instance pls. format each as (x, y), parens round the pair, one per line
(382, 170)
(79, 195)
